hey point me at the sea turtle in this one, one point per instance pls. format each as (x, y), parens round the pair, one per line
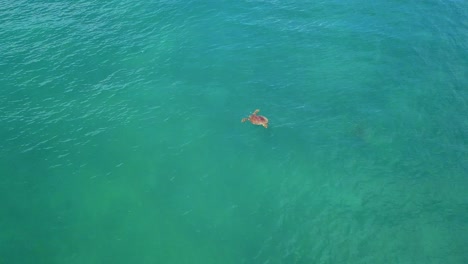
(256, 119)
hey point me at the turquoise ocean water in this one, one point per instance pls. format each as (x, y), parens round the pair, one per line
(121, 140)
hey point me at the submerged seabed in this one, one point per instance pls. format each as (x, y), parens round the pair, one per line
(121, 139)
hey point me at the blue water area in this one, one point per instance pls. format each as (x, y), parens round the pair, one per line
(121, 140)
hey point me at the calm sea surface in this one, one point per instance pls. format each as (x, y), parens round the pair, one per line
(121, 140)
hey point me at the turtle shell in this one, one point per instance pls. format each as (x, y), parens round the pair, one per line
(258, 119)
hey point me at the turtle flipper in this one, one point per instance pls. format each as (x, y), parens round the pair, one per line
(256, 111)
(244, 119)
